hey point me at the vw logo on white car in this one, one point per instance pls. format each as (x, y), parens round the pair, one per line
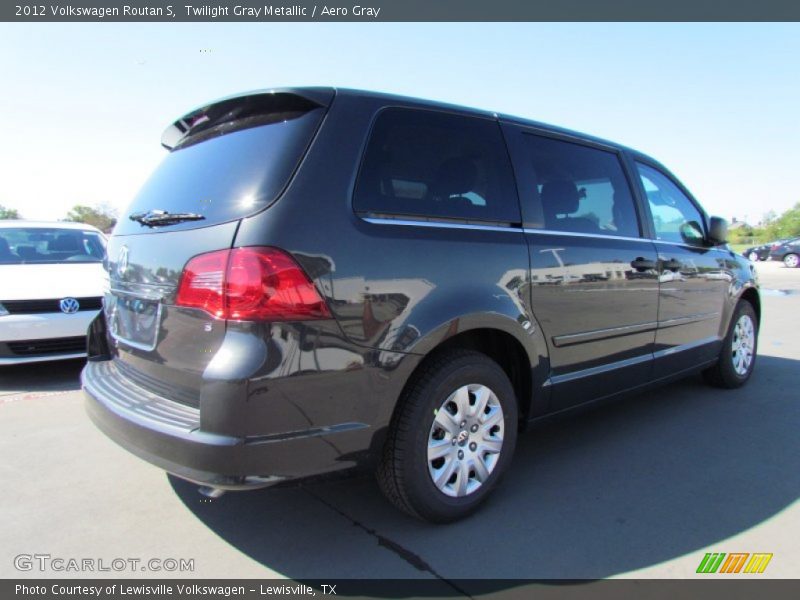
(69, 305)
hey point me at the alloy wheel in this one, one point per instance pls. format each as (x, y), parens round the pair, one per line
(465, 440)
(743, 344)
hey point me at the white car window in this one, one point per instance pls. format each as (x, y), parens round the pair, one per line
(23, 245)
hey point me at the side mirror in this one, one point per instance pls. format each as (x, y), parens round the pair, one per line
(717, 231)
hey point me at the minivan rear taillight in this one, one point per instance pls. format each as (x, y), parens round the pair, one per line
(250, 284)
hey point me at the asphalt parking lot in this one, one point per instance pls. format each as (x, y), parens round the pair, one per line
(642, 487)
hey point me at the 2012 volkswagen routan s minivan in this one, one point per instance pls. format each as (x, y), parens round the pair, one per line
(319, 280)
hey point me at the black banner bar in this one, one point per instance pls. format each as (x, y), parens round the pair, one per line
(399, 10)
(253, 589)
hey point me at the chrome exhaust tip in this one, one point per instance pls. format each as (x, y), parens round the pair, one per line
(210, 492)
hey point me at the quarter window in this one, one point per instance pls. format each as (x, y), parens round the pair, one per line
(577, 188)
(434, 164)
(675, 217)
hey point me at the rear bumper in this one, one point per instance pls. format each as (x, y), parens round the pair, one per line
(168, 435)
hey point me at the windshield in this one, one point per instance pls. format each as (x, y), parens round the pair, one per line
(24, 245)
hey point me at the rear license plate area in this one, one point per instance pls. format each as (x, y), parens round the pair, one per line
(133, 321)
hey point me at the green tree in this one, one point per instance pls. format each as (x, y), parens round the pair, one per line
(741, 235)
(787, 225)
(103, 217)
(8, 213)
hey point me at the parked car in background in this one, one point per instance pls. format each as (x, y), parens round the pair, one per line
(787, 251)
(316, 280)
(757, 253)
(51, 287)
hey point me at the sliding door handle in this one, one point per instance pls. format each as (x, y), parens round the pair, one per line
(671, 265)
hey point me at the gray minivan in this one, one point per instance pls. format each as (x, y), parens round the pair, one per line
(320, 281)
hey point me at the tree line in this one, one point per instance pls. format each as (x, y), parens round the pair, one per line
(772, 227)
(101, 216)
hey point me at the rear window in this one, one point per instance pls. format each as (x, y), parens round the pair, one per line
(227, 163)
(23, 245)
(432, 164)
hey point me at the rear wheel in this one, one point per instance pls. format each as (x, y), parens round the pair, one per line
(791, 260)
(738, 355)
(451, 439)
(753, 256)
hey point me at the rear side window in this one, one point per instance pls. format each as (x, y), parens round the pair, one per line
(432, 164)
(227, 161)
(577, 188)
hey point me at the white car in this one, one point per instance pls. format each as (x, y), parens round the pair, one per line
(51, 287)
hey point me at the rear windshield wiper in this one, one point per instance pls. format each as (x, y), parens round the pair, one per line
(156, 218)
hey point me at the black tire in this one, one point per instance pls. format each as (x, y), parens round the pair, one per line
(403, 472)
(791, 261)
(724, 374)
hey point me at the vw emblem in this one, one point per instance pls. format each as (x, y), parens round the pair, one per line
(69, 305)
(122, 261)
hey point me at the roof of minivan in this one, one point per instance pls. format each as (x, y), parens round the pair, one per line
(323, 95)
(8, 223)
(410, 100)
(474, 111)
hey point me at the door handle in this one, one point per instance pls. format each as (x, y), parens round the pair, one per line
(671, 265)
(642, 264)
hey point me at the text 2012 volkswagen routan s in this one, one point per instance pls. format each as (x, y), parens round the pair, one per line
(319, 280)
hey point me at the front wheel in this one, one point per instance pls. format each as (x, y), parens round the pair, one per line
(738, 355)
(753, 256)
(451, 439)
(791, 260)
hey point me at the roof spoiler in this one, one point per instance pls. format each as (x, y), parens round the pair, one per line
(242, 111)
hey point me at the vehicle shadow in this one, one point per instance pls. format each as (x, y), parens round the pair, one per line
(619, 487)
(62, 375)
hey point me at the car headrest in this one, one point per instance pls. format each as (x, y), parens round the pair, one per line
(27, 252)
(63, 243)
(560, 197)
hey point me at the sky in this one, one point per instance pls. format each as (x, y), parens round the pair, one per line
(83, 105)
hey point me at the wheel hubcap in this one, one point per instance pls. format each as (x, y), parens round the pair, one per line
(465, 440)
(791, 261)
(743, 345)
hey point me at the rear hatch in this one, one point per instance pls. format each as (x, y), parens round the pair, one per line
(226, 161)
